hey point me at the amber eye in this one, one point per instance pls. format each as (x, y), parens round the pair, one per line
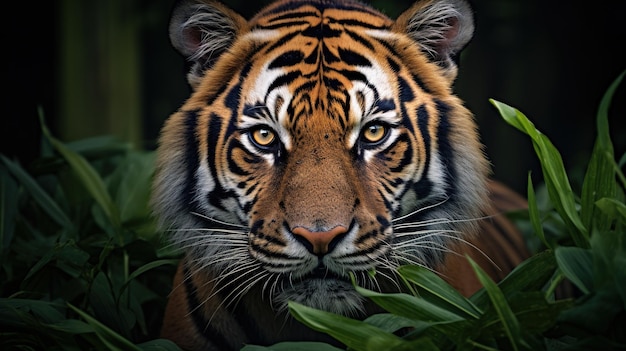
(263, 137)
(374, 133)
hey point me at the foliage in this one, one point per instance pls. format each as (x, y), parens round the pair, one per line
(82, 265)
(584, 241)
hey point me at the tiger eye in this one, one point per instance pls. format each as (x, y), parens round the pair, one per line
(374, 133)
(263, 136)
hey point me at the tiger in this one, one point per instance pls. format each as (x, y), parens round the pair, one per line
(321, 142)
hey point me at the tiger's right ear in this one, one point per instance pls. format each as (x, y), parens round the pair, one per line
(202, 31)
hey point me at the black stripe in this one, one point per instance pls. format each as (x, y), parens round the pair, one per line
(444, 147)
(202, 324)
(424, 185)
(394, 53)
(191, 159)
(353, 58)
(359, 39)
(218, 194)
(322, 5)
(287, 59)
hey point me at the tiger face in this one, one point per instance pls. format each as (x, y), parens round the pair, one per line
(321, 140)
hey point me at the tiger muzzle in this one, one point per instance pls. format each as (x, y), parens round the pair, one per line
(322, 242)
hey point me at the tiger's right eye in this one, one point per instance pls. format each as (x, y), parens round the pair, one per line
(263, 137)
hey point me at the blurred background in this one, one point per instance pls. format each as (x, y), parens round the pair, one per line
(105, 67)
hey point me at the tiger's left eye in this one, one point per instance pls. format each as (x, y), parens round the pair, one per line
(374, 133)
(263, 137)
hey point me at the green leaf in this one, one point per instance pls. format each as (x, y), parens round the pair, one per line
(355, 334)
(533, 312)
(293, 346)
(553, 170)
(531, 274)
(507, 317)
(8, 210)
(576, 264)
(533, 212)
(133, 177)
(39, 195)
(600, 177)
(441, 291)
(111, 339)
(88, 177)
(103, 301)
(411, 307)
(392, 323)
(612, 209)
(71, 326)
(47, 312)
(159, 345)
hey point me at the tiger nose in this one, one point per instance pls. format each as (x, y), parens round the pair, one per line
(319, 243)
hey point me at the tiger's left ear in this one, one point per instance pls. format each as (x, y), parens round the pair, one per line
(442, 28)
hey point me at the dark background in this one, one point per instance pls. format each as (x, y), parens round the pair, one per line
(106, 67)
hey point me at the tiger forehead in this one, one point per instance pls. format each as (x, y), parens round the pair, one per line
(315, 66)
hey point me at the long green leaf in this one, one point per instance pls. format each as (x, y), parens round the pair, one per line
(600, 177)
(533, 212)
(576, 263)
(411, 307)
(39, 195)
(88, 177)
(353, 333)
(159, 345)
(499, 302)
(111, 339)
(439, 289)
(293, 346)
(555, 177)
(532, 274)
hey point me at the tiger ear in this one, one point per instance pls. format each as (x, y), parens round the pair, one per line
(441, 27)
(202, 31)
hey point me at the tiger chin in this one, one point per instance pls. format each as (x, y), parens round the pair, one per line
(321, 141)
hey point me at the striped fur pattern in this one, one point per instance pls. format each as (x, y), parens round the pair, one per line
(321, 139)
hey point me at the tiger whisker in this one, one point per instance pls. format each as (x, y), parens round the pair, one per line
(420, 210)
(219, 221)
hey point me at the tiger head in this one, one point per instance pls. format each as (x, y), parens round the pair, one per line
(321, 140)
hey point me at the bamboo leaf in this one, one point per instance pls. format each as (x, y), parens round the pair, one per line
(507, 317)
(39, 195)
(576, 264)
(533, 212)
(88, 177)
(554, 174)
(159, 345)
(411, 307)
(532, 274)
(111, 339)
(293, 346)
(355, 334)
(439, 289)
(600, 177)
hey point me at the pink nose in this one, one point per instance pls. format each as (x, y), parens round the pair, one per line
(319, 242)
